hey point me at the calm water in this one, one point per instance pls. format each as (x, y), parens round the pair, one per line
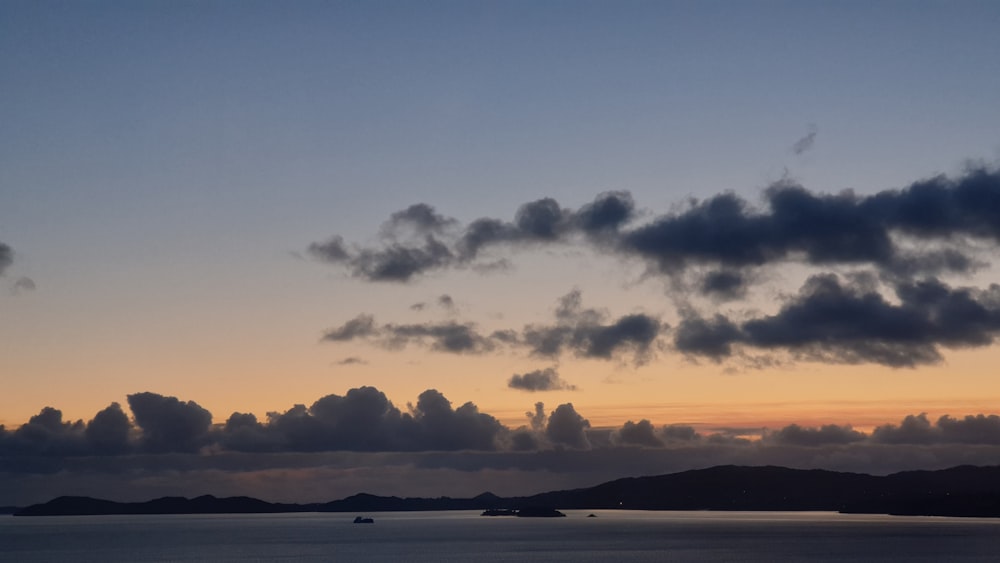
(466, 536)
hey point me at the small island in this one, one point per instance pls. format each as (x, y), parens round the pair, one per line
(527, 512)
(363, 520)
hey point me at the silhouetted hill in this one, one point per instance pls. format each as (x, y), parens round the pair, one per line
(959, 491)
(722, 488)
(69, 506)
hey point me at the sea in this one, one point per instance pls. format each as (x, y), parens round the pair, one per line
(396, 537)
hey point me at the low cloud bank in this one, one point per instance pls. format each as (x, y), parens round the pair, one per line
(365, 420)
(360, 441)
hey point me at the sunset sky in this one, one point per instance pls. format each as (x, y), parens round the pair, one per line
(696, 232)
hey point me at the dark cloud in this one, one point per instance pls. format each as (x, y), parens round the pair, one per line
(567, 428)
(333, 250)
(444, 428)
(724, 231)
(109, 431)
(46, 434)
(360, 441)
(451, 337)
(168, 424)
(395, 262)
(365, 420)
(724, 285)
(6, 257)
(639, 433)
(361, 326)
(917, 429)
(539, 380)
(606, 214)
(243, 433)
(421, 217)
(680, 433)
(584, 332)
(446, 302)
(713, 337)
(795, 435)
(807, 142)
(540, 220)
(587, 333)
(537, 418)
(434, 244)
(399, 263)
(824, 229)
(843, 321)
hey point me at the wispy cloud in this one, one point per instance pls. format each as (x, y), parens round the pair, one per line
(583, 332)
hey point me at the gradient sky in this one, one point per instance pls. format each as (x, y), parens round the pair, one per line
(173, 176)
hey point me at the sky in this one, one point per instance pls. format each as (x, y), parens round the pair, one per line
(301, 250)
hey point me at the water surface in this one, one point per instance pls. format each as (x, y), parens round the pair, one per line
(465, 536)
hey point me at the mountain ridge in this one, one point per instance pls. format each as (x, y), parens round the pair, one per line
(958, 491)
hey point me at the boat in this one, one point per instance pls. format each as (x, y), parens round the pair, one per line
(364, 520)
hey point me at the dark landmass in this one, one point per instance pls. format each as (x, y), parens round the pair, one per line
(959, 491)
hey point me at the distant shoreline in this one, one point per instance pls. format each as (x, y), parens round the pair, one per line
(964, 491)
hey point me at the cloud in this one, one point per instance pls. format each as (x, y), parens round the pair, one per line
(421, 217)
(917, 429)
(680, 433)
(713, 337)
(168, 424)
(436, 242)
(342, 441)
(823, 229)
(6, 257)
(446, 302)
(364, 420)
(795, 435)
(606, 214)
(586, 333)
(903, 240)
(807, 142)
(46, 434)
(351, 361)
(723, 231)
(444, 428)
(567, 428)
(639, 433)
(108, 433)
(452, 337)
(539, 380)
(24, 284)
(837, 320)
(394, 262)
(361, 326)
(724, 285)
